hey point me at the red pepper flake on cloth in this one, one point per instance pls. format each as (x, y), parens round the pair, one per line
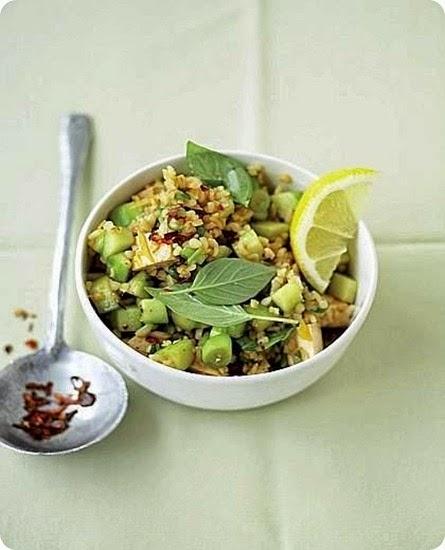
(46, 412)
(31, 343)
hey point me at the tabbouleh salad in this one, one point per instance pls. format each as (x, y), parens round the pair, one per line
(196, 271)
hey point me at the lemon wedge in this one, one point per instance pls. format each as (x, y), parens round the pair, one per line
(326, 219)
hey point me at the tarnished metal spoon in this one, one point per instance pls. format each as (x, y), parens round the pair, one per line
(56, 362)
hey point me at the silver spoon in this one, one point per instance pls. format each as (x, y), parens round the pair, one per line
(56, 362)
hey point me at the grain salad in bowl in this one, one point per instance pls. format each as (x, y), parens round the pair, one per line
(220, 268)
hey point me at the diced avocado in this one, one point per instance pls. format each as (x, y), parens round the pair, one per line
(285, 203)
(126, 213)
(260, 203)
(150, 254)
(288, 296)
(116, 239)
(235, 331)
(184, 323)
(96, 240)
(309, 339)
(153, 311)
(103, 295)
(217, 350)
(119, 267)
(249, 246)
(270, 230)
(223, 251)
(343, 287)
(138, 284)
(126, 320)
(260, 324)
(178, 355)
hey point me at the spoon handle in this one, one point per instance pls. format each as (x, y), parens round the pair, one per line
(75, 139)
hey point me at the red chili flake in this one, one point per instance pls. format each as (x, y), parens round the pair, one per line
(31, 343)
(8, 348)
(46, 413)
(169, 238)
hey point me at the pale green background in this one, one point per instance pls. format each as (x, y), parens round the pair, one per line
(356, 461)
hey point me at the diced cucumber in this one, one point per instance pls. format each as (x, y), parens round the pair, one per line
(96, 240)
(259, 203)
(217, 350)
(185, 323)
(288, 296)
(119, 267)
(343, 287)
(153, 311)
(285, 203)
(126, 213)
(103, 296)
(178, 355)
(260, 324)
(116, 239)
(126, 319)
(235, 331)
(138, 284)
(270, 230)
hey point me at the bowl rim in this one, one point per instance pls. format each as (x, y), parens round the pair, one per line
(92, 316)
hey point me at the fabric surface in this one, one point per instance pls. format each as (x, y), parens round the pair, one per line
(355, 461)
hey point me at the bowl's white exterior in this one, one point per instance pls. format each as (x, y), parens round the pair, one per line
(222, 393)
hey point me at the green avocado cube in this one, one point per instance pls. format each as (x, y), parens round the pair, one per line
(285, 203)
(178, 355)
(270, 230)
(343, 287)
(124, 214)
(138, 284)
(126, 319)
(103, 295)
(288, 296)
(116, 239)
(119, 267)
(153, 312)
(260, 203)
(183, 322)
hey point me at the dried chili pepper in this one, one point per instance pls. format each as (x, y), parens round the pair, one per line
(46, 412)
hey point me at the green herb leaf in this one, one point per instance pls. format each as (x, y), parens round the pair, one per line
(217, 169)
(239, 183)
(247, 344)
(192, 308)
(229, 281)
(280, 336)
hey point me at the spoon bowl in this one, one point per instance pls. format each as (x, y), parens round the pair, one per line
(56, 362)
(90, 424)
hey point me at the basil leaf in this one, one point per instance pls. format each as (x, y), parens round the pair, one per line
(217, 169)
(280, 336)
(230, 281)
(239, 183)
(190, 307)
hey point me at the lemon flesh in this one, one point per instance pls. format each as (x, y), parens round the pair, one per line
(326, 219)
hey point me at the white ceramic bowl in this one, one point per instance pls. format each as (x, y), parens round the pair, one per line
(223, 393)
